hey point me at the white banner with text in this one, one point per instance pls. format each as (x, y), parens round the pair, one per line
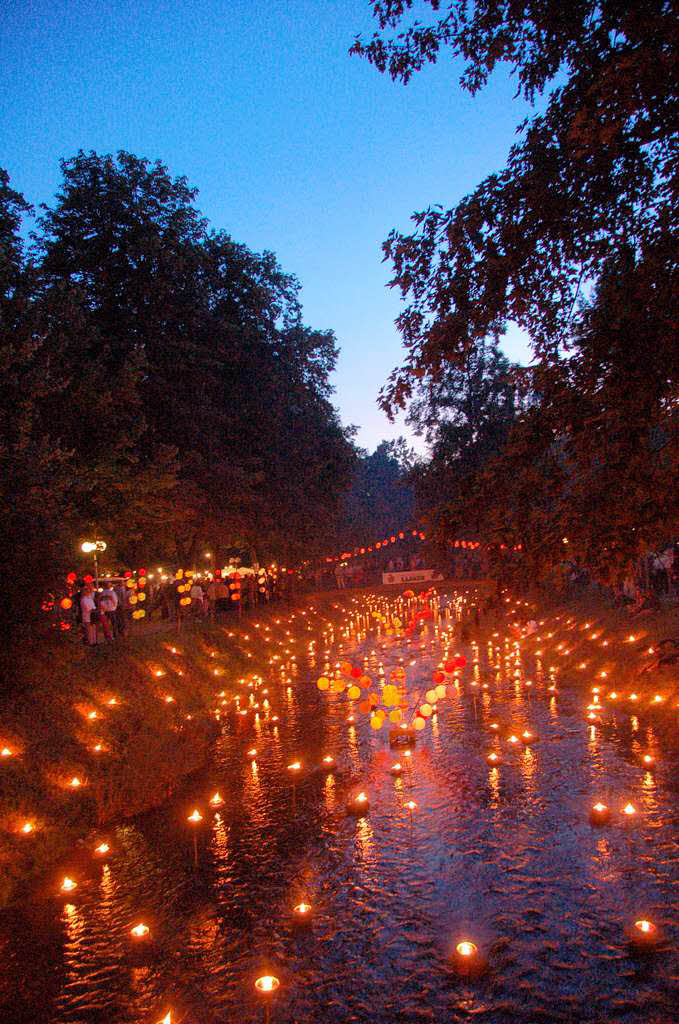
(411, 576)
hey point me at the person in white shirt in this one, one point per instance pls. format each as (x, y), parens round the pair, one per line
(197, 598)
(87, 606)
(108, 602)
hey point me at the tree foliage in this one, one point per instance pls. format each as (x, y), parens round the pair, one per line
(466, 416)
(380, 498)
(163, 390)
(575, 240)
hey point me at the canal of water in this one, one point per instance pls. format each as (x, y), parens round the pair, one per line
(504, 857)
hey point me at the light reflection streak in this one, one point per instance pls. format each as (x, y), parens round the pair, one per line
(329, 792)
(494, 786)
(527, 765)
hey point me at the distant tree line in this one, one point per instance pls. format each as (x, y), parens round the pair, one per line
(574, 240)
(160, 389)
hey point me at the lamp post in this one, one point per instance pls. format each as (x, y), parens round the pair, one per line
(92, 547)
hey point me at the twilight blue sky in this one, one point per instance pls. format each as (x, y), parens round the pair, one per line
(295, 146)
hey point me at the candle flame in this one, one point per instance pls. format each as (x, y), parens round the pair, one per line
(466, 948)
(196, 816)
(267, 983)
(140, 931)
(102, 848)
(629, 809)
(644, 926)
(68, 885)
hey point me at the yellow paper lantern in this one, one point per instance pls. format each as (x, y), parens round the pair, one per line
(425, 710)
(323, 683)
(419, 724)
(354, 692)
(376, 722)
(395, 715)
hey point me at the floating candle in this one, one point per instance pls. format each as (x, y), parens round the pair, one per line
(599, 814)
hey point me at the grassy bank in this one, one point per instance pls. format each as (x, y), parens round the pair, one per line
(611, 653)
(92, 735)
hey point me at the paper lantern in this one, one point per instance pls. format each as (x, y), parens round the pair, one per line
(395, 715)
(376, 721)
(354, 692)
(431, 696)
(323, 683)
(66, 603)
(419, 724)
(356, 672)
(425, 710)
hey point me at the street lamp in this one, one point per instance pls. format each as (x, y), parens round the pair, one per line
(92, 547)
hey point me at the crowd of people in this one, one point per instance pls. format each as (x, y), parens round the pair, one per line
(104, 612)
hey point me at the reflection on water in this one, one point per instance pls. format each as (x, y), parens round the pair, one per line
(503, 856)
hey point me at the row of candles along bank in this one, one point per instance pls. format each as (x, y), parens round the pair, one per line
(594, 709)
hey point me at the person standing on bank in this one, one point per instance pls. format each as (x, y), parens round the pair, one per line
(108, 602)
(89, 614)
